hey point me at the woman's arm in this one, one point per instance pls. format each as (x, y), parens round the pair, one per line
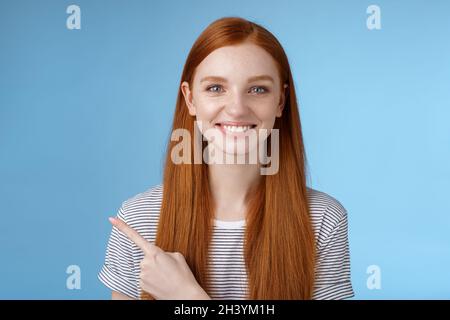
(168, 276)
(120, 296)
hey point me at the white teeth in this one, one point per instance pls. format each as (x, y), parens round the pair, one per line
(236, 128)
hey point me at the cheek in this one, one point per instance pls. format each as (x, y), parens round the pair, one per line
(265, 111)
(208, 106)
(207, 110)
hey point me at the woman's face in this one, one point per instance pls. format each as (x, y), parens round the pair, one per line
(235, 89)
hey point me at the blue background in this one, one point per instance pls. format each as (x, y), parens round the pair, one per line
(85, 116)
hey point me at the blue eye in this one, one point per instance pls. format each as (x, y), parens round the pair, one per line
(263, 90)
(214, 86)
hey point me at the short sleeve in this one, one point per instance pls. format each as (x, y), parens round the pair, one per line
(333, 281)
(117, 272)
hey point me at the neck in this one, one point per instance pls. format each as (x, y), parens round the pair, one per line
(229, 185)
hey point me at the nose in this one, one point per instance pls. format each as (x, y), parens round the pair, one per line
(236, 107)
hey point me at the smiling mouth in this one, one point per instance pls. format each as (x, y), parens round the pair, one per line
(234, 128)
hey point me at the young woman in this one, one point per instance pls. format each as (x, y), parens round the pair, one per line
(216, 230)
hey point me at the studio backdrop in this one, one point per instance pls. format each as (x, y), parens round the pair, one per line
(87, 95)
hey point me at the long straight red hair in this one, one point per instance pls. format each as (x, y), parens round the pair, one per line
(279, 243)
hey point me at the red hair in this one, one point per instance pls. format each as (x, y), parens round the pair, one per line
(279, 240)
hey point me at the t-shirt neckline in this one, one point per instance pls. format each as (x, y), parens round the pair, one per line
(229, 224)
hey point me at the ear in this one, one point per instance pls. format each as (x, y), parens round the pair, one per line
(188, 98)
(280, 106)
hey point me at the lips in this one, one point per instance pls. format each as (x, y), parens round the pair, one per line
(233, 127)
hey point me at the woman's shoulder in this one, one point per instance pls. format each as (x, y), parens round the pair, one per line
(326, 212)
(152, 195)
(320, 201)
(141, 211)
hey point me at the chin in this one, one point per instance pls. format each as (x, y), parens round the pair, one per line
(238, 150)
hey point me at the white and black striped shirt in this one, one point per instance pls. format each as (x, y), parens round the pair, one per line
(227, 277)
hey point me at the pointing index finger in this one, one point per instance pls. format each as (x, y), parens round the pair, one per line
(134, 236)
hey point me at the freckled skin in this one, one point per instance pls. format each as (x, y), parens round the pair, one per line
(258, 102)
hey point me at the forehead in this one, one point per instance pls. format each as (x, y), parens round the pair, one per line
(237, 62)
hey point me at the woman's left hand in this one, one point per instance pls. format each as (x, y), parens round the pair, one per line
(164, 275)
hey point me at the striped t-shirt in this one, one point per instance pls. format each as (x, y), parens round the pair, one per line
(227, 277)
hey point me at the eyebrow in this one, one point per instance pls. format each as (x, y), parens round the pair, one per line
(251, 79)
